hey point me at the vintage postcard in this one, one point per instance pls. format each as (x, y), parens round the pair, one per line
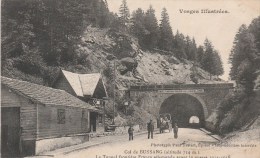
(130, 78)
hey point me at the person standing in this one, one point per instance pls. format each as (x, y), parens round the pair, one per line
(131, 132)
(150, 128)
(175, 130)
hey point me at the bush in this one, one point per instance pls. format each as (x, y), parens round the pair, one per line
(30, 63)
(232, 110)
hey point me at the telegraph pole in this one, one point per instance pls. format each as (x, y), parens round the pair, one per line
(114, 92)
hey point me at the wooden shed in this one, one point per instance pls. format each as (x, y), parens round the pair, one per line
(87, 87)
(35, 118)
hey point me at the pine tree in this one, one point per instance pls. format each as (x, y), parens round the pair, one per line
(193, 50)
(208, 58)
(103, 15)
(218, 65)
(138, 28)
(254, 29)
(190, 48)
(245, 47)
(96, 13)
(179, 46)
(200, 54)
(237, 53)
(152, 29)
(124, 13)
(166, 36)
(243, 59)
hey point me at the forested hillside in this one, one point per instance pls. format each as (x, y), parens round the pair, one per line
(240, 109)
(41, 36)
(38, 36)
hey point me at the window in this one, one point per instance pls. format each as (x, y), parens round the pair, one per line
(61, 116)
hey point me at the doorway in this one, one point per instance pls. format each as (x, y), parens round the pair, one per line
(10, 135)
(93, 121)
(84, 120)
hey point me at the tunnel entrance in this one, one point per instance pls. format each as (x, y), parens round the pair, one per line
(185, 109)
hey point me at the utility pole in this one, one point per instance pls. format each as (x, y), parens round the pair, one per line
(114, 92)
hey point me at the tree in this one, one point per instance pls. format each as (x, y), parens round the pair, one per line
(190, 48)
(60, 28)
(138, 28)
(17, 29)
(208, 58)
(166, 36)
(152, 29)
(55, 27)
(96, 13)
(193, 55)
(179, 46)
(237, 53)
(103, 16)
(124, 13)
(145, 28)
(200, 54)
(116, 25)
(244, 58)
(254, 29)
(218, 65)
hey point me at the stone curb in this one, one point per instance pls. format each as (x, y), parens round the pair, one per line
(68, 150)
(100, 143)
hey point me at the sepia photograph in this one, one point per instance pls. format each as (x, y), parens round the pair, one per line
(130, 79)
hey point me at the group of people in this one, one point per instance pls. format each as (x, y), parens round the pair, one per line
(150, 128)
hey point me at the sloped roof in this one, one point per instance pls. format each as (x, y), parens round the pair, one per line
(83, 84)
(74, 82)
(43, 94)
(89, 83)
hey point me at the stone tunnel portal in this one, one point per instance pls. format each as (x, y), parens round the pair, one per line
(186, 110)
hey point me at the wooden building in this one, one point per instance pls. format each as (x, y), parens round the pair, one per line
(36, 118)
(87, 87)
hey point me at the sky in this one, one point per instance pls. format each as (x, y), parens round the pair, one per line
(219, 28)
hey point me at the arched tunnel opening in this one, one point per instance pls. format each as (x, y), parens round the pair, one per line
(186, 110)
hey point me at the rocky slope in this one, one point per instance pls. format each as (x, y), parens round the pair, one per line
(152, 67)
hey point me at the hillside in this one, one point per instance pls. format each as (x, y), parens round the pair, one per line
(248, 125)
(97, 47)
(153, 67)
(96, 54)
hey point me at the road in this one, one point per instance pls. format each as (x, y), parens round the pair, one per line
(191, 143)
(141, 147)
